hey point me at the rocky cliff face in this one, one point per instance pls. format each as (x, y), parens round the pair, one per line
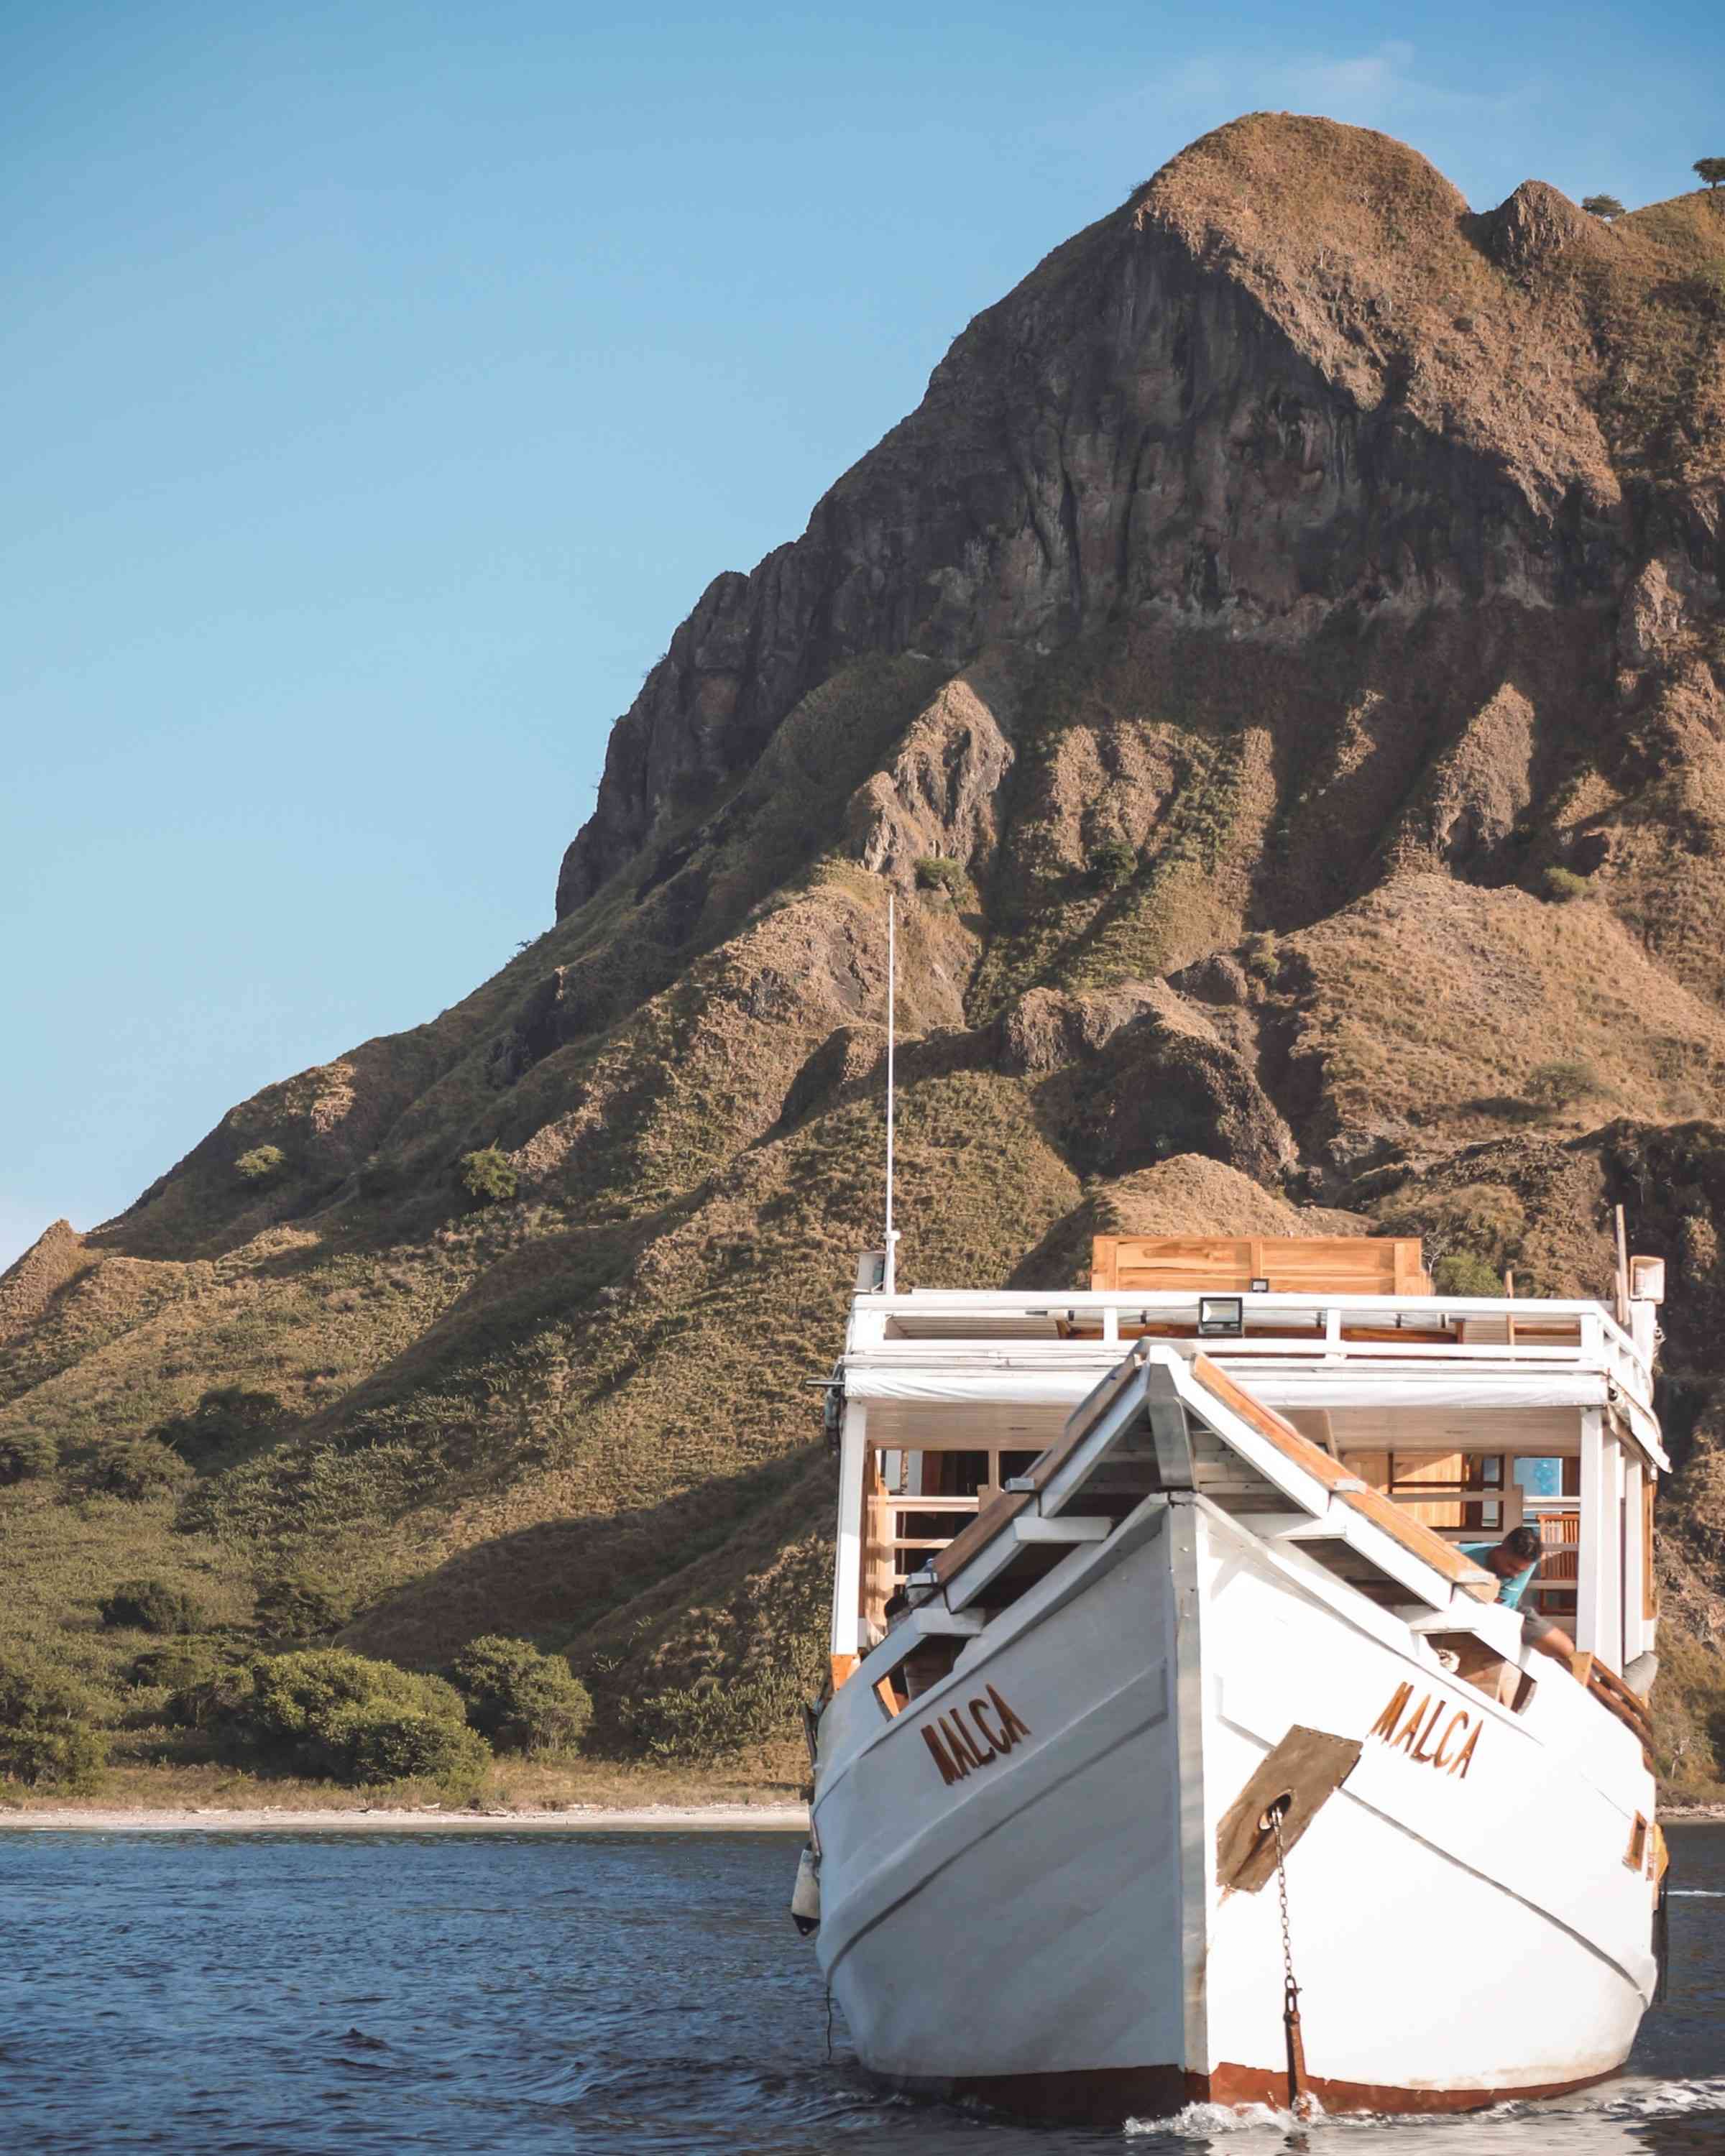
(1278, 667)
(1292, 385)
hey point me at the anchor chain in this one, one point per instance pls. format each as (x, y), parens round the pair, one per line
(1300, 2099)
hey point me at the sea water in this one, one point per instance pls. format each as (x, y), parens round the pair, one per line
(289, 1994)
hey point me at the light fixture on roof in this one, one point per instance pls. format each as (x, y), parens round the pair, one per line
(1220, 1316)
(1261, 1287)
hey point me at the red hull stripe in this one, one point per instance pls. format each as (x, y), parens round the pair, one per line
(1108, 2096)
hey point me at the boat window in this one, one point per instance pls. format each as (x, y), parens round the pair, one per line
(1547, 1476)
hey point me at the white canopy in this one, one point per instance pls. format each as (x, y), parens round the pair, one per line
(1416, 1406)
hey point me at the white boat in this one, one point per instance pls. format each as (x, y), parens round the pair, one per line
(1182, 1557)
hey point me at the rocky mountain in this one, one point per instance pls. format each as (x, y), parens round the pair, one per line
(1279, 667)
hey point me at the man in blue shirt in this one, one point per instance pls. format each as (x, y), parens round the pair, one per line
(1515, 1560)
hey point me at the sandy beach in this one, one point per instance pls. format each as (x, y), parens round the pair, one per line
(565, 1818)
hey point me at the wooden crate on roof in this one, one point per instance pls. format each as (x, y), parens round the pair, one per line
(1227, 1264)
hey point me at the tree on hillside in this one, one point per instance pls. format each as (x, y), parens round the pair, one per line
(487, 1174)
(1711, 169)
(1604, 205)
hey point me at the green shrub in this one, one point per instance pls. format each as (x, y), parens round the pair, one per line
(260, 1163)
(220, 1418)
(295, 1609)
(1114, 862)
(176, 1665)
(1562, 884)
(134, 1468)
(521, 1700)
(151, 1605)
(25, 1455)
(208, 1689)
(329, 1712)
(488, 1174)
(695, 1724)
(48, 1732)
(1461, 1273)
(939, 872)
(1562, 1084)
(386, 1745)
(1260, 954)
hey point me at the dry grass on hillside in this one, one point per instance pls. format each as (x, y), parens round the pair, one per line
(1433, 1008)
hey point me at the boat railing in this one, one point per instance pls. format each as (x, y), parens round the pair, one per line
(885, 1540)
(1616, 1698)
(1298, 1328)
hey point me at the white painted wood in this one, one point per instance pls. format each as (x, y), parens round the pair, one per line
(1636, 1628)
(1598, 1599)
(933, 1621)
(1013, 1320)
(1069, 1527)
(847, 1566)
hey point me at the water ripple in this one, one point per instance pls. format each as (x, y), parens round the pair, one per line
(288, 1995)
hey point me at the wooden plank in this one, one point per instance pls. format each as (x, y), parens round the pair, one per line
(1627, 1709)
(1382, 1512)
(1306, 1768)
(1333, 1265)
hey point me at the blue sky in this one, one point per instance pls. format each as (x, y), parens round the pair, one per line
(381, 384)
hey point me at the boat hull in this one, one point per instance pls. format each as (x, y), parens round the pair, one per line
(1020, 1897)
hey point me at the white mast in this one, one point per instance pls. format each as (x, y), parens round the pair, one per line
(890, 1278)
